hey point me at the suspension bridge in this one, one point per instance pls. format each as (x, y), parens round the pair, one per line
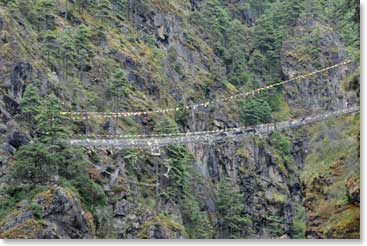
(155, 142)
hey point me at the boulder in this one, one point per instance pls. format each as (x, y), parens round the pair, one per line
(11, 106)
(17, 139)
(22, 74)
(353, 190)
(53, 214)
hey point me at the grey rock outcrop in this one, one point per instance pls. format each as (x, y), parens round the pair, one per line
(53, 214)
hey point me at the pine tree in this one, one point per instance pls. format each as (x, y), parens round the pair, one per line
(104, 10)
(67, 52)
(120, 87)
(31, 105)
(43, 9)
(196, 222)
(51, 122)
(255, 111)
(49, 47)
(34, 162)
(232, 222)
(82, 38)
(83, 48)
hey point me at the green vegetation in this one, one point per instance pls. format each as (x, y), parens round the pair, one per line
(270, 30)
(274, 223)
(119, 89)
(298, 227)
(281, 143)
(254, 111)
(31, 105)
(108, 55)
(34, 163)
(232, 221)
(10, 195)
(91, 193)
(36, 210)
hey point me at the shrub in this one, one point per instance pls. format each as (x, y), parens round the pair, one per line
(254, 111)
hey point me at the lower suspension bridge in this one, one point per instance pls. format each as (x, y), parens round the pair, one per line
(155, 142)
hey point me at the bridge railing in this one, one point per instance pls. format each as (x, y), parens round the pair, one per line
(205, 137)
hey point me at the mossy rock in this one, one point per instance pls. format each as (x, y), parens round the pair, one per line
(29, 229)
(345, 224)
(162, 227)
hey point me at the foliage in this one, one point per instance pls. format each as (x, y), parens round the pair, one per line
(270, 30)
(10, 195)
(119, 88)
(228, 36)
(254, 111)
(51, 123)
(232, 221)
(274, 223)
(224, 45)
(30, 104)
(298, 226)
(165, 125)
(196, 220)
(92, 194)
(34, 163)
(36, 209)
(280, 142)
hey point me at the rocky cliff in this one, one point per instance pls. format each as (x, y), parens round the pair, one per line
(132, 55)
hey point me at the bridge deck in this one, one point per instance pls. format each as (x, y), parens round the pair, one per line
(206, 136)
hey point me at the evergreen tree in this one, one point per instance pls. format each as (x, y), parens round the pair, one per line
(83, 48)
(254, 111)
(196, 222)
(30, 105)
(43, 10)
(67, 52)
(119, 87)
(81, 5)
(51, 122)
(104, 10)
(232, 222)
(35, 163)
(50, 47)
(165, 125)
(82, 38)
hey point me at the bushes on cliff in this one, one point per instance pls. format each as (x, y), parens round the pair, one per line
(230, 37)
(92, 194)
(270, 30)
(30, 105)
(43, 164)
(196, 221)
(118, 88)
(35, 163)
(254, 111)
(280, 142)
(232, 220)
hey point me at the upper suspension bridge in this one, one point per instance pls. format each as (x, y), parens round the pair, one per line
(196, 106)
(155, 141)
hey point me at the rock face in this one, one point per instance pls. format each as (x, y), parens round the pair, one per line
(322, 91)
(17, 139)
(326, 214)
(171, 62)
(19, 78)
(270, 185)
(11, 106)
(52, 214)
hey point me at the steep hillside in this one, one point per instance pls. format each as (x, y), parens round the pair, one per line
(136, 55)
